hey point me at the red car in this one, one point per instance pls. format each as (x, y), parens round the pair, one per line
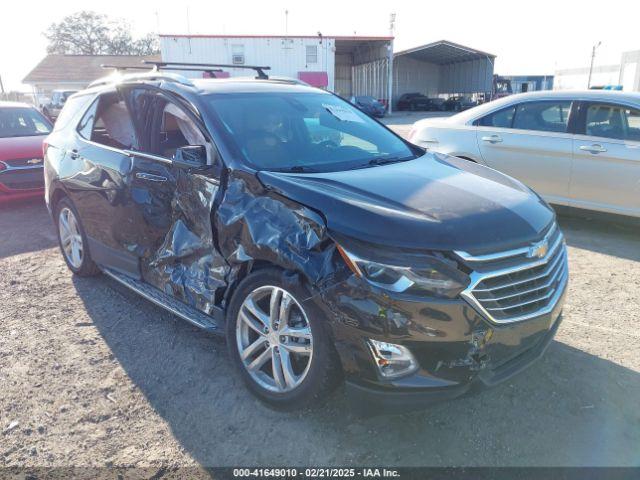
(22, 131)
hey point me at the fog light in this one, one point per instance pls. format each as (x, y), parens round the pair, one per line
(392, 360)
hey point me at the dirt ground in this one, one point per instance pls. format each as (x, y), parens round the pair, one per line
(92, 375)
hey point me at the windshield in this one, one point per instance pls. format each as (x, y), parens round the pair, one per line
(22, 122)
(304, 132)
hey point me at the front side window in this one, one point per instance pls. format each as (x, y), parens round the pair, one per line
(500, 119)
(22, 122)
(613, 121)
(303, 132)
(547, 116)
(162, 125)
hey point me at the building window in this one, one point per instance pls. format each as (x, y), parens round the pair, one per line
(312, 54)
(237, 54)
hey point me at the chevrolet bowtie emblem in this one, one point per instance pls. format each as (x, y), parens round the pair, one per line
(538, 250)
(34, 161)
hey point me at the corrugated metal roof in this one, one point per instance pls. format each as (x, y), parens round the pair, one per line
(79, 68)
(443, 52)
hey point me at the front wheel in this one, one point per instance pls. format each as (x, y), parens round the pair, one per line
(279, 342)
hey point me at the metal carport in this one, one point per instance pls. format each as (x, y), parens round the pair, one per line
(442, 68)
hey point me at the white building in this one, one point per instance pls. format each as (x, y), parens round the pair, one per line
(353, 65)
(625, 74)
(334, 63)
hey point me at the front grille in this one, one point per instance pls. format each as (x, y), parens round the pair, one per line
(24, 185)
(524, 289)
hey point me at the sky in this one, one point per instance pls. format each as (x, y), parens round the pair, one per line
(535, 37)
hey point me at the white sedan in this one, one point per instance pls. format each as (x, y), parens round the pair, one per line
(579, 149)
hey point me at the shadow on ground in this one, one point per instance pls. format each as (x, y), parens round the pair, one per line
(25, 226)
(571, 408)
(603, 233)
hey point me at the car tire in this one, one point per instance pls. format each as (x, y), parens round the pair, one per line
(73, 241)
(307, 368)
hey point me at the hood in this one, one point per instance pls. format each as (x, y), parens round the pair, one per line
(21, 147)
(434, 202)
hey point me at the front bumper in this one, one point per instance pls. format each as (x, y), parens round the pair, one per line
(21, 183)
(403, 400)
(457, 349)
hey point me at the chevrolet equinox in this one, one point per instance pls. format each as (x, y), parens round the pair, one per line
(325, 248)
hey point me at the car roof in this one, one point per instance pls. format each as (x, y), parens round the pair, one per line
(593, 95)
(200, 86)
(251, 85)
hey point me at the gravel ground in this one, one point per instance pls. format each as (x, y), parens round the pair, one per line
(93, 375)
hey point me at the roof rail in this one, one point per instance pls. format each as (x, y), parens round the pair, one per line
(207, 67)
(149, 74)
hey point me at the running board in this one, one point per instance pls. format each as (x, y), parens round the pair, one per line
(212, 324)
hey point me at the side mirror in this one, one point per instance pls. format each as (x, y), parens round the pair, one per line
(190, 156)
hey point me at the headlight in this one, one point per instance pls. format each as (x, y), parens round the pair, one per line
(429, 276)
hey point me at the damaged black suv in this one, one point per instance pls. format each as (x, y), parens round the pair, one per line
(324, 246)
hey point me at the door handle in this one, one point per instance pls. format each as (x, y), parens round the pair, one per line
(492, 139)
(150, 177)
(595, 148)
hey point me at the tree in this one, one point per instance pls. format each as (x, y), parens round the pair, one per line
(91, 33)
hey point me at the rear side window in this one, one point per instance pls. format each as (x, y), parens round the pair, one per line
(72, 106)
(547, 116)
(613, 121)
(108, 122)
(500, 119)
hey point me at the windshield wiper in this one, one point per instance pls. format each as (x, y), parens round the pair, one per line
(386, 160)
(297, 169)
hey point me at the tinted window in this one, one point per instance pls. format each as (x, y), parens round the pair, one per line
(22, 122)
(86, 124)
(543, 116)
(501, 119)
(72, 106)
(307, 131)
(613, 121)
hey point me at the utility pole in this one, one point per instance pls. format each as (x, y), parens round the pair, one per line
(392, 26)
(593, 56)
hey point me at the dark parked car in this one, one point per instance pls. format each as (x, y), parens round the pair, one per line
(414, 101)
(58, 98)
(356, 256)
(437, 104)
(369, 105)
(22, 130)
(458, 104)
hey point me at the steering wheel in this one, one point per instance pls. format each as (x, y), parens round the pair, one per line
(328, 144)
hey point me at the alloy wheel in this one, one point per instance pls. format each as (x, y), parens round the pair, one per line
(70, 238)
(274, 339)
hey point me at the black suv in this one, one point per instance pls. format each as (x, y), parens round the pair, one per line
(324, 246)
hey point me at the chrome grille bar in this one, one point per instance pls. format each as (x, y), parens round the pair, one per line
(528, 289)
(547, 284)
